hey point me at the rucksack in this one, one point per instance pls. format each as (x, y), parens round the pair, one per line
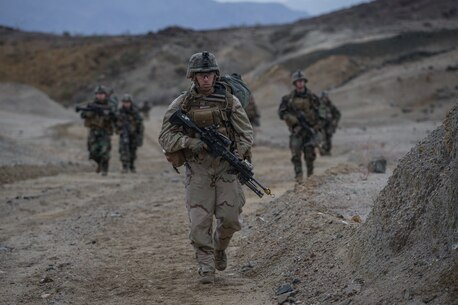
(238, 87)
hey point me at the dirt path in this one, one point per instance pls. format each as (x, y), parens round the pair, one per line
(120, 239)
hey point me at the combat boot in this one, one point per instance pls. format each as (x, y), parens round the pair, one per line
(104, 166)
(207, 277)
(220, 260)
(132, 166)
(99, 168)
(299, 178)
(125, 168)
(309, 169)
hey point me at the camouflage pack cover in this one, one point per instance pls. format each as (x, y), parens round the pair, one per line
(298, 75)
(237, 87)
(127, 97)
(100, 89)
(202, 62)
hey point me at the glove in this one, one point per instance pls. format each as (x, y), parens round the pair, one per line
(291, 120)
(195, 145)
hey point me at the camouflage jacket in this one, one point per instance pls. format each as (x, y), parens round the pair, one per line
(293, 104)
(329, 111)
(100, 121)
(252, 112)
(131, 120)
(173, 138)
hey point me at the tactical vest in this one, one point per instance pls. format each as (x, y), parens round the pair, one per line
(101, 122)
(214, 109)
(129, 117)
(304, 104)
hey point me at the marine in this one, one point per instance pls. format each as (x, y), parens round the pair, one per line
(145, 109)
(129, 126)
(99, 118)
(331, 116)
(253, 114)
(300, 111)
(212, 189)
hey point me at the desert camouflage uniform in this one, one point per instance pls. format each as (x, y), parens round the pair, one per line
(99, 136)
(210, 188)
(252, 112)
(129, 126)
(113, 99)
(301, 140)
(331, 116)
(145, 109)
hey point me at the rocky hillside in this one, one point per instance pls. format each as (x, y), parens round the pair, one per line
(413, 225)
(334, 49)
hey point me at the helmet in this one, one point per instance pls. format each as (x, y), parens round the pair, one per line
(127, 98)
(202, 62)
(298, 75)
(100, 89)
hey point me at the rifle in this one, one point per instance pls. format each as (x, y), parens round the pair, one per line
(217, 145)
(305, 124)
(124, 136)
(103, 110)
(314, 138)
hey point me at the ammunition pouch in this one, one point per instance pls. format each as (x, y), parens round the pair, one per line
(208, 116)
(176, 158)
(204, 117)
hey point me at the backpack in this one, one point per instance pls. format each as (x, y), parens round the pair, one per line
(237, 87)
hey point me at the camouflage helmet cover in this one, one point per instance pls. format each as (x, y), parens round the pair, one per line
(100, 89)
(202, 62)
(127, 98)
(298, 75)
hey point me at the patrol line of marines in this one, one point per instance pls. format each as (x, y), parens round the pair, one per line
(213, 187)
(102, 117)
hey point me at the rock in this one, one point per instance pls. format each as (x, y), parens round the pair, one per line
(46, 279)
(45, 295)
(429, 298)
(352, 289)
(452, 68)
(292, 300)
(377, 165)
(296, 281)
(116, 214)
(357, 218)
(284, 289)
(5, 249)
(282, 298)
(247, 267)
(407, 294)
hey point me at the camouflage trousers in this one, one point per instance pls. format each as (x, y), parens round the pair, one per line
(128, 151)
(211, 191)
(326, 144)
(99, 147)
(302, 144)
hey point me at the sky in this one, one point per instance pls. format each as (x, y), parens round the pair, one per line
(313, 7)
